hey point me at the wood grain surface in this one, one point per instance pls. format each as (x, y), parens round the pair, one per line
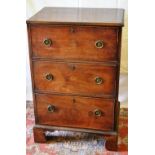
(79, 16)
(74, 62)
(75, 112)
(74, 42)
(74, 78)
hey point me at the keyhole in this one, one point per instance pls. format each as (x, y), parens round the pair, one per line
(72, 67)
(74, 100)
(72, 30)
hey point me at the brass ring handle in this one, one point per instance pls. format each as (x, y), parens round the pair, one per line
(51, 108)
(99, 44)
(47, 42)
(99, 80)
(97, 112)
(49, 77)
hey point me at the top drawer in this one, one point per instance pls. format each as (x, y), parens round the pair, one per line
(74, 42)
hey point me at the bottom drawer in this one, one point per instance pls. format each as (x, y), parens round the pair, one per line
(77, 112)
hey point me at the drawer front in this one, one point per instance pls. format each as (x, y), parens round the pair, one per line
(74, 43)
(80, 112)
(74, 78)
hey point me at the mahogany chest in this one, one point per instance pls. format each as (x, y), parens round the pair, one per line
(75, 65)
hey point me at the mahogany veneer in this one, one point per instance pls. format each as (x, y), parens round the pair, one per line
(74, 42)
(67, 79)
(75, 64)
(76, 109)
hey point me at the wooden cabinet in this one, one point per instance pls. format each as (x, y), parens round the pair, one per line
(75, 63)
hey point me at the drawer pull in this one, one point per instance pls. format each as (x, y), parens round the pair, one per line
(49, 77)
(47, 42)
(98, 80)
(98, 113)
(51, 108)
(99, 44)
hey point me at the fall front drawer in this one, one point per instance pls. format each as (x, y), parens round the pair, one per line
(80, 112)
(74, 42)
(74, 78)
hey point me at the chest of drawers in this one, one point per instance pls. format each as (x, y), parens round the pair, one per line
(75, 64)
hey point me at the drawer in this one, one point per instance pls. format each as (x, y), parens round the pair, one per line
(74, 43)
(78, 112)
(74, 78)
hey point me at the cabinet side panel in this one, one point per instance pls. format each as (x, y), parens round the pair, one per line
(32, 79)
(117, 105)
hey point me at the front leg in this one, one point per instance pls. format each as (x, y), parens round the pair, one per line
(39, 134)
(111, 142)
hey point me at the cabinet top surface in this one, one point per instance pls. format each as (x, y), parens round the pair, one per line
(81, 16)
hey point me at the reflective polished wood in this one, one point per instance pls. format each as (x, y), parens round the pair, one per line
(82, 16)
(75, 64)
